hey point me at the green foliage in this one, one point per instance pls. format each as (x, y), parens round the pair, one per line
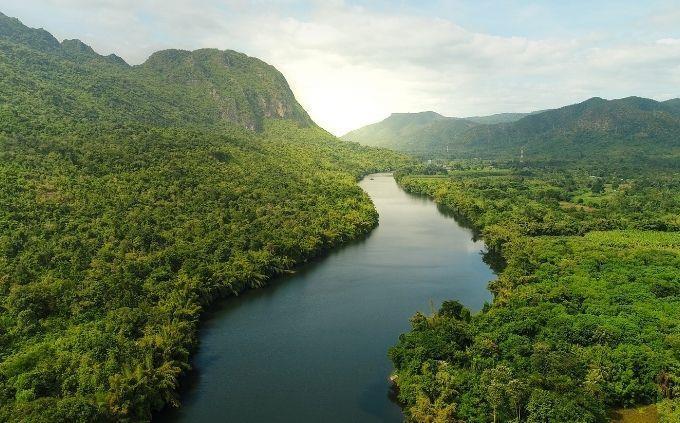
(629, 130)
(586, 310)
(130, 198)
(57, 87)
(669, 411)
(409, 131)
(504, 204)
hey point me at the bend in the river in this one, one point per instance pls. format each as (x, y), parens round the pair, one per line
(313, 346)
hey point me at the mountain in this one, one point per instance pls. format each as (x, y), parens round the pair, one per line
(131, 198)
(627, 128)
(13, 30)
(673, 105)
(230, 85)
(410, 132)
(203, 87)
(498, 118)
(421, 132)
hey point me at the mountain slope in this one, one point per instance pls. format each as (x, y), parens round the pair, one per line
(673, 105)
(627, 128)
(624, 128)
(498, 118)
(233, 86)
(410, 132)
(422, 132)
(204, 87)
(131, 198)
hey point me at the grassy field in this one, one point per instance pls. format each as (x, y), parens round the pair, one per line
(645, 414)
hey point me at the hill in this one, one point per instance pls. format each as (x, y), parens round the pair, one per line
(132, 197)
(410, 132)
(498, 118)
(628, 128)
(71, 81)
(424, 131)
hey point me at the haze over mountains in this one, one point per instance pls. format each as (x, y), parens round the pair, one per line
(626, 128)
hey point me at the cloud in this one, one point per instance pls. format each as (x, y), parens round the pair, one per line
(669, 41)
(351, 65)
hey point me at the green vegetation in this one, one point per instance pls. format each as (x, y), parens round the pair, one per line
(499, 118)
(586, 311)
(506, 204)
(629, 130)
(409, 131)
(131, 197)
(59, 86)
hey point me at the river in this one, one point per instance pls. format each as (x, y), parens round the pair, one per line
(312, 346)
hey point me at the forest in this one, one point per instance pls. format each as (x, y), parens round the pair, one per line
(131, 198)
(625, 130)
(586, 311)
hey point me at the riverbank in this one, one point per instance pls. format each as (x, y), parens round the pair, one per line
(579, 323)
(269, 354)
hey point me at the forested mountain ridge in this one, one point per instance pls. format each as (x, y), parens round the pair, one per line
(418, 132)
(203, 87)
(499, 118)
(244, 89)
(626, 128)
(672, 105)
(410, 131)
(131, 198)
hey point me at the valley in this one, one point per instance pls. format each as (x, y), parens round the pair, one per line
(181, 241)
(312, 347)
(132, 198)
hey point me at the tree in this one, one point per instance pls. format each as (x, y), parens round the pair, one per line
(496, 382)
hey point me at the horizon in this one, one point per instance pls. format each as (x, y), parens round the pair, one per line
(353, 63)
(528, 112)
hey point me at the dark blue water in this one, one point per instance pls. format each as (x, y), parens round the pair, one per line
(312, 347)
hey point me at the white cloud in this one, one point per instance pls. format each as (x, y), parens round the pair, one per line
(350, 66)
(669, 41)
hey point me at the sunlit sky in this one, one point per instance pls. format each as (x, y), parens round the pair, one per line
(351, 63)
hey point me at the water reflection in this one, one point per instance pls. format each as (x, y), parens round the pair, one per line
(313, 345)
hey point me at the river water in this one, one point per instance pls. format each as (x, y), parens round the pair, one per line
(312, 347)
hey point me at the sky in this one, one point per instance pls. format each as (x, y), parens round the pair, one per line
(353, 62)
